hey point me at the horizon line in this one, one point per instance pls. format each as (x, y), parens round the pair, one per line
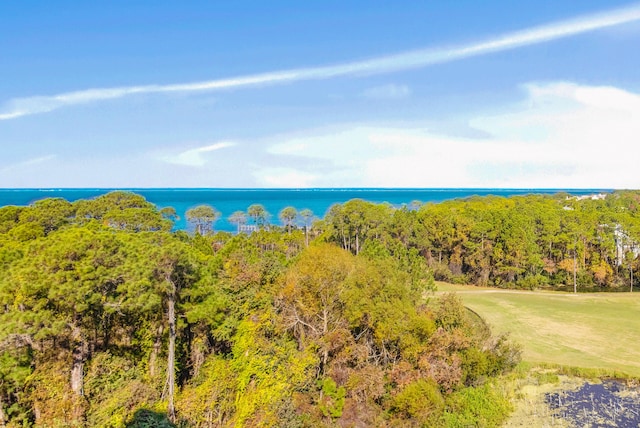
(63, 189)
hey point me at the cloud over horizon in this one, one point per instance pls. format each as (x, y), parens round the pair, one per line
(558, 135)
(562, 135)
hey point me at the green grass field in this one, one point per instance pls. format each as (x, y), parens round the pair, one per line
(598, 330)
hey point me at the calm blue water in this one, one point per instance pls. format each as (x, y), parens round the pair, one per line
(228, 201)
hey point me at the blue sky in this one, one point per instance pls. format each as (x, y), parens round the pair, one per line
(320, 94)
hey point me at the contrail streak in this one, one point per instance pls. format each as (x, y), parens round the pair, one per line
(406, 60)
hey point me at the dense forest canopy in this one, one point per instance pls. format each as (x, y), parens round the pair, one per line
(107, 318)
(517, 242)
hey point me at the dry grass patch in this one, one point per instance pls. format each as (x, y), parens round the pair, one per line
(599, 330)
(530, 406)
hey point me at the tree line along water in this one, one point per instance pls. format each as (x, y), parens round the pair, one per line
(228, 201)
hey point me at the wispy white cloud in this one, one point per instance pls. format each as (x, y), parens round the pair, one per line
(195, 157)
(419, 58)
(387, 92)
(562, 135)
(27, 163)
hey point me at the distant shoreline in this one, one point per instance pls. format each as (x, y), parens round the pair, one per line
(318, 200)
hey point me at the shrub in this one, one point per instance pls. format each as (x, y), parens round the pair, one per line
(531, 282)
(332, 401)
(419, 400)
(481, 406)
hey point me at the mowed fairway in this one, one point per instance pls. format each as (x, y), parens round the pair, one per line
(599, 330)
